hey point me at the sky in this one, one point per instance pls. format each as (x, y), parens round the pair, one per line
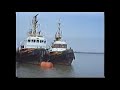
(83, 31)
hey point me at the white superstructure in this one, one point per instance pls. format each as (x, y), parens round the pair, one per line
(34, 39)
(58, 44)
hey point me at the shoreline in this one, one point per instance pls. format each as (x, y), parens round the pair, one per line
(90, 52)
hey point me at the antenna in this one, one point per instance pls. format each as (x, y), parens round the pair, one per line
(58, 35)
(59, 25)
(59, 28)
(34, 22)
(36, 15)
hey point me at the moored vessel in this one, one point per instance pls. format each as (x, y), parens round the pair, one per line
(59, 52)
(33, 48)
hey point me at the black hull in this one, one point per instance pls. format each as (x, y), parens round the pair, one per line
(38, 55)
(65, 58)
(34, 56)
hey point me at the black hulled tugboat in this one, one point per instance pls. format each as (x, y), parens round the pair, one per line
(34, 47)
(59, 53)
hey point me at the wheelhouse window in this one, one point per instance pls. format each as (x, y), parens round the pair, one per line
(41, 41)
(59, 46)
(62, 46)
(65, 45)
(37, 41)
(34, 41)
(28, 40)
(22, 46)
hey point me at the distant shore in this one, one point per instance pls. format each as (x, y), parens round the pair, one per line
(90, 52)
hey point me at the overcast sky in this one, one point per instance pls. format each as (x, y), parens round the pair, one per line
(83, 31)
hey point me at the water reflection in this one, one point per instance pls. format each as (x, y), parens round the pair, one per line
(29, 70)
(63, 70)
(57, 71)
(85, 65)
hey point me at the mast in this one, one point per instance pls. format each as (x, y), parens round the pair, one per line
(33, 31)
(34, 22)
(58, 34)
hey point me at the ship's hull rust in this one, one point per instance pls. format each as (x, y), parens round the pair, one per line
(66, 57)
(37, 55)
(28, 55)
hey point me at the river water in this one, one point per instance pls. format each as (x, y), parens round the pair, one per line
(84, 66)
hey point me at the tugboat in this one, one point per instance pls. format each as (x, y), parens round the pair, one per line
(34, 47)
(59, 53)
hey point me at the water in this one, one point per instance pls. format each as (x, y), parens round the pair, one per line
(85, 65)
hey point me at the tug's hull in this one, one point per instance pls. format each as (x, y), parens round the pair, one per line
(65, 57)
(33, 56)
(38, 55)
